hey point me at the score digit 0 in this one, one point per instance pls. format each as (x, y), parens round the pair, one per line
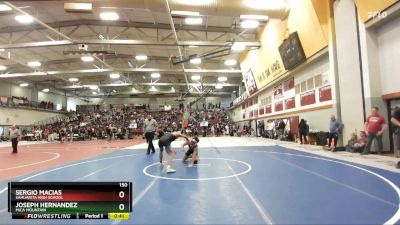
(121, 194)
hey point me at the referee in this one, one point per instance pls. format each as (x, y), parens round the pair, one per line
(15, 136)
(149, 130)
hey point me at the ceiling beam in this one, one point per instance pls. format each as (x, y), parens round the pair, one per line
(162, 26)
(250, 44)
(171, 22)
(142, 94)
(146, 84)
(109, 57)
(38, 21)
(104, 71)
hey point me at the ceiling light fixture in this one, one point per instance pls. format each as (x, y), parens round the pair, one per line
(2, 68)
(249, 24)
(155, 75)
(115, 75)
(222, 79)
(87, 58)
(153, 89)
(24, 85)
(134, 90)
(253, 17)
(237, 46)
(24, 19)
(46, 90)
(184, 13)
(141, 57)
(78, 7)
(230, 62)
(94, 93)
(196, 77)
(193, 20)
(219, 86)
(172, 89)
(194, 2)
(195, 61)
(109, 16)
(73, 79)
(34, 64)
(196, 84)
(93, 87)
(2, 49)
(4, 7)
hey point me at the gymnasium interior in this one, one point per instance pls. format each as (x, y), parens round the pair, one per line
(200, 112)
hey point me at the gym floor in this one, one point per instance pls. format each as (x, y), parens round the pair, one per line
(237, 181)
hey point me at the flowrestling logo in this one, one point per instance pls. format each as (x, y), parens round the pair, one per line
(372, 15)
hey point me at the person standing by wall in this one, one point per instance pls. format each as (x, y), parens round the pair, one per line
(15, 136)
(396, 131)
(374, 127)
(150, 126)
(303, 131)
(335, 128)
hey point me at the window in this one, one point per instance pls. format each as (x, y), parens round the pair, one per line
(303, 86)
(318, 80)
(297, 89)
(310, 84)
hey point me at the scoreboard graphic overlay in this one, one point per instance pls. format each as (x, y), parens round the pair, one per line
(70, 200)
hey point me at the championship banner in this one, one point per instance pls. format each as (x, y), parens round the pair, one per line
(290, 103)
(278, 106)
(288, 85)
(307, 98)
(261, 111)
(278, 92)
(250, 82)
(325, 94)
(268, 109)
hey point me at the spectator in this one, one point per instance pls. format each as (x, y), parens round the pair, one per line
(280, 128)
(104, 124)
(359, 147)
(351, 144)
(335, 128)
(374, 127)
(304, 129)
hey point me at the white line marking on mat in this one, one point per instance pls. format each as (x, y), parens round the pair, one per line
(98, 171)
(263, 212)
(335, 181)
(394, 218)
(31, 164)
